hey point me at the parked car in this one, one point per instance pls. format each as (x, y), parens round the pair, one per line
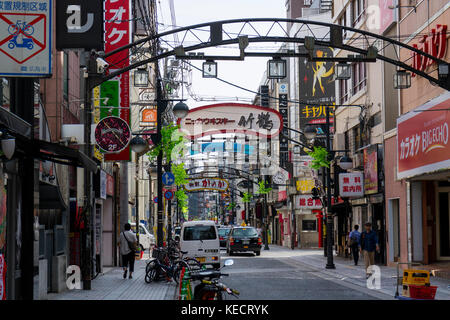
(243, 239)
(223, 236)
(200, 240)
(146, 239)
(176, 232)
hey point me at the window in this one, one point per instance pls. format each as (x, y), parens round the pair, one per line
(358, 9)
(244, 232)
(66, 75)
(199, 232)
(343, 22)
(359, 77)
(343, 91)
(309, 225)
(223, 232)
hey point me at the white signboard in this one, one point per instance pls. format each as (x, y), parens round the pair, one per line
(206, 184)
(25, 38)
(307, 202)
(102, 184)
(231, 118)
(283, 88)
(281, 176)
(351, 185)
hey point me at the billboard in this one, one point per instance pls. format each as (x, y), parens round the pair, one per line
(79, 24)
(371, 169)
(26, 38)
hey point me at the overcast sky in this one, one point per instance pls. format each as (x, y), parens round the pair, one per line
(246, 73)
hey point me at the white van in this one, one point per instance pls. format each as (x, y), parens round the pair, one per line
(146, 239)
(201, 240)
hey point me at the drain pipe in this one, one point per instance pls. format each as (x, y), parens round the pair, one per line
(408, 219)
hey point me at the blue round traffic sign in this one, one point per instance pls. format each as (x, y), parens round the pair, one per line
(168, 195)
(168, 178)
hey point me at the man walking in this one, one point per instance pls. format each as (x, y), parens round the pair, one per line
(353, 242)
(369, 243)
(127, 245)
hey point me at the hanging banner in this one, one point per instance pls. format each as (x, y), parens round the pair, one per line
(117, 91)
(232, 118)
(371, 169)
(2, 277)
(199, 184)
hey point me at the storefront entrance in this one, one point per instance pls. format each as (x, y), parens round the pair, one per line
(443, 224)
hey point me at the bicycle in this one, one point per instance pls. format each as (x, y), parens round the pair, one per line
(27, 29)
(155, 270)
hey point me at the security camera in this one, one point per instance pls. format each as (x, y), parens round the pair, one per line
(102, 65)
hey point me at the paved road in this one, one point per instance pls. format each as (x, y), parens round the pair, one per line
(276, 276)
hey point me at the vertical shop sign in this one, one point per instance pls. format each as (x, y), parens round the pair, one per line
(117, 90)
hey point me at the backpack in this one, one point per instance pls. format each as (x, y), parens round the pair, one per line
(353, 240)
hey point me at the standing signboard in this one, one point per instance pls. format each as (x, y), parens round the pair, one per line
(351, 185)
(26, 38)
(117, 34)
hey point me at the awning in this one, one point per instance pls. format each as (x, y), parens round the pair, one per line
(50, 197)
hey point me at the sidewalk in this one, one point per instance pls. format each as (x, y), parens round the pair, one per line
(112, 286)
(348, 272)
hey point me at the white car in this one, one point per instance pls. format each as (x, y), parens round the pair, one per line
(146, 239)
(201, 241)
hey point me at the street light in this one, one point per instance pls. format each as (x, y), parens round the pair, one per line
(276, 68)
(402, 79)
(209, 69)
(346, 163)
(141, 78)
(138, 144)
(310, 132)
(9, 146)
(180, 110)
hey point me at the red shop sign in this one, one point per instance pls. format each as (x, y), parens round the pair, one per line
(423, 139)
(109, 185)
(434, 44)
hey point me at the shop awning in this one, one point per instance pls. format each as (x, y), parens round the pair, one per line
(50, 197)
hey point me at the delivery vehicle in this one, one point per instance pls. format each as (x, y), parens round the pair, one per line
(200, 240)
(244, 239)
(146, 239)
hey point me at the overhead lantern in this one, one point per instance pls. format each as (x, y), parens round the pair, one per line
(209, 69)
(402, 79)
(276, 68)
(343, 71)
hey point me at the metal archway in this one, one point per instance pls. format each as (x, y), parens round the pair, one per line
(254, 30)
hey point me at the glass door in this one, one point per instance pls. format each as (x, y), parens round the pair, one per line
(443, 225)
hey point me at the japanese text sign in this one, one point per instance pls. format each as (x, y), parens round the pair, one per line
(307, 202)
(25, 33)
(231, 118)
(351, 185)
(371, 169)
(423, 139)
(206, 184)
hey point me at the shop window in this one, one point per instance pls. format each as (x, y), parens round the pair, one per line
(309, 225)
(359, 77)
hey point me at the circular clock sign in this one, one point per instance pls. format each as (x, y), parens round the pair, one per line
(112, 134)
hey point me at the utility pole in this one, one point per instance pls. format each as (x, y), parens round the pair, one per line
(330, 263)
(161, 105)
(137, 198)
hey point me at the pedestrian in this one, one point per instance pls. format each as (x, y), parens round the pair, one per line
(368, 244)
(128, 243)
(259, 230)
(353, 243)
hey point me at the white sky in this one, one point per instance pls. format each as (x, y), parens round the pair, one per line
(246, 73)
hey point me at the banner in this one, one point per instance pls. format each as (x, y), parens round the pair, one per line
(117, 91)
(371, 169)
(2, 277)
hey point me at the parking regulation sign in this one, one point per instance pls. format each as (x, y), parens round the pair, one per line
(25, 38)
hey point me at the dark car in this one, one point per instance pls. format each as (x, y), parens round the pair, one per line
(223, 236)
(244, 239)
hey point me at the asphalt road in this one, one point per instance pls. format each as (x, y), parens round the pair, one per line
(280, 278)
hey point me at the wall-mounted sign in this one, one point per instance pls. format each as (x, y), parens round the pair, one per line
(305, 186)
(231, 118)
(307, 202)
(118, 34)
(351, 185)
(79, 24)
(112, 134)
(280, 176)
(149, 117)
(434, 44)
(25, 33)
(386, 14)
(199, 184)
(109, 185)
(371, 169)
(423, 139)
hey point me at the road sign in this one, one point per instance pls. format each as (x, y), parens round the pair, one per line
(168, 178)
(168, 195)
(155, 199)
(25, 38)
